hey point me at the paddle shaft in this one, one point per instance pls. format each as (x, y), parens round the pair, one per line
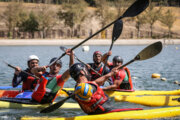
(107, 57)
(22, 71)
(117, 30)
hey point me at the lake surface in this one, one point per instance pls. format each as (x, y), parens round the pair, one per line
(167, 63)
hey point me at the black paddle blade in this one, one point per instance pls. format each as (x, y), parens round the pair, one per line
(150, 51)
(117, 30)
(136, 8)
(63, 48)
(55, 106)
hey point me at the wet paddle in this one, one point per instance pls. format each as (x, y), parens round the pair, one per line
(21, 70)
(148, 52)
(117, 30)
(64, 49)
(136, 8)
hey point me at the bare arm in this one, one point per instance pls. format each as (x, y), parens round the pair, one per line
(114, 86)
(101, 80)
(104, 57)
(65, 75)
(71, 55)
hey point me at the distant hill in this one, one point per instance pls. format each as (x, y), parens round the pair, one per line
(158, 27)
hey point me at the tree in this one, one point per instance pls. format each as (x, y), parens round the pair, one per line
(104, 12)
(73, 12)
(46, 18)
(11, 15)
(153, 14)
(121, 5)
(31, 24)
(140, 20)
(168, 20)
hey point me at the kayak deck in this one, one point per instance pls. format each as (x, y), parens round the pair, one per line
(66, 105)
(140, 114)
(150, 100)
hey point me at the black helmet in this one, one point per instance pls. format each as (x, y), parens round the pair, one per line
(57, 62)
(75, 70)
(117, 59)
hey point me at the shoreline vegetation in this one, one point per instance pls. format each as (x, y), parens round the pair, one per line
(27, 42)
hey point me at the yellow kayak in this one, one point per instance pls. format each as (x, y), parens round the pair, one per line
(137, 92)
(38, 106)
(140, 114)
(150, 100)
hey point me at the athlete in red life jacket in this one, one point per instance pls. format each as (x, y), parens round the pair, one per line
(50, 83)
(97, 65)
(88, 94)
(122, 80)
(29, 82)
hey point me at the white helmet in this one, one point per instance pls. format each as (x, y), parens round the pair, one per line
(33, 57)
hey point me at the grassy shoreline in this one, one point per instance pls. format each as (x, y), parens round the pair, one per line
(14, 42)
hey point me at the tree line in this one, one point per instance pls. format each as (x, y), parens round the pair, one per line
(72, 14)
(90, 2)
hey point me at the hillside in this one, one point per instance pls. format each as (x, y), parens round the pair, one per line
(94, 23)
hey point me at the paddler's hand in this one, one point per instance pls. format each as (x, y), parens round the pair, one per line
(17, 70)
(114, 71)
(38, 71)
(69, 52)
(88, 66)
(109, 53)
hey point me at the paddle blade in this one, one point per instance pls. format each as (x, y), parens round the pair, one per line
(136, 8)
(117, 30)
(63, 48)
(55, 106)
(150, 51)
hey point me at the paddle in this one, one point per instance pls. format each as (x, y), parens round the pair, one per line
(136, 8)
(64, 49)
(117, 30)
(56, 105)
(148, 52)
(21, 70)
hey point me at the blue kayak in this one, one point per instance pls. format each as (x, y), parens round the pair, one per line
(9, 87)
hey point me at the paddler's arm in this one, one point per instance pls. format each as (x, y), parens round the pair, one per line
(18, 77)
(104, 57)
(38, 71)
(114, 86)
(71, 55)
(66, 75)
(100, 81)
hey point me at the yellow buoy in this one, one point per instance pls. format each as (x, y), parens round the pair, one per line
(156, 75)
(177, 48)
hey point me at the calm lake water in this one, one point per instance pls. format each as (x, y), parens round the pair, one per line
(167, 63)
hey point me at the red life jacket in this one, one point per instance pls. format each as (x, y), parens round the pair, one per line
(129, 76)
(29, 84)
(95, 75)
(41, 93)
(97, 100)
(121, 75)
